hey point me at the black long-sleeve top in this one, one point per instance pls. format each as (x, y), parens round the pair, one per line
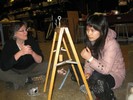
(10, 49)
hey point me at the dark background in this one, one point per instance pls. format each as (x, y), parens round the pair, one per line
(80, 5)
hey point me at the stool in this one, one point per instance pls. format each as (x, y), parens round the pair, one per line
(121, 28)
(64, 79)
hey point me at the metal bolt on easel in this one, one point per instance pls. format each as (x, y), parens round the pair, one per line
(58, 21)
(59, 18)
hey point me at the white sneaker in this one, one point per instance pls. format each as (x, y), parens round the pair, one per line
(83, 89)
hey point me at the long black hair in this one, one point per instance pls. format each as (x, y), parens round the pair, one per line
(99, 23)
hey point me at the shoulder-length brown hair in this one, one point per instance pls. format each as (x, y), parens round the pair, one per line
(15, 27)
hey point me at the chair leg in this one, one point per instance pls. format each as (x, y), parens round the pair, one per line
(64, 79)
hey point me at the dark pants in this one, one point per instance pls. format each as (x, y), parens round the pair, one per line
(19, 76)
(95, 75)
(99, 83)
(107, 78)
(101, 86)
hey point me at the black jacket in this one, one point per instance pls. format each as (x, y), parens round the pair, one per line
(10, 48)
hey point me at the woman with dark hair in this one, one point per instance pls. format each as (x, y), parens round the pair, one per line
(21, 57)
(104, 64)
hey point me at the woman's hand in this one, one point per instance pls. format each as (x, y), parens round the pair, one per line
(87, 75)
(86, 53)
(26, 49)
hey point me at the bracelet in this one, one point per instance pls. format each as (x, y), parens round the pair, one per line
(89, 60)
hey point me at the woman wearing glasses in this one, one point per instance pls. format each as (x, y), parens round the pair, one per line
(104, 64)
(21, 57)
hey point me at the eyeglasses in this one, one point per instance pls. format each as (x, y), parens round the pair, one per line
(24, 30)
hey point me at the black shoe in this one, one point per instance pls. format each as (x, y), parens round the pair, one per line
(112, 96)
(73, 78)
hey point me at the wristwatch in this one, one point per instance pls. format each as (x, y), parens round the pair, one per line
(89, 60)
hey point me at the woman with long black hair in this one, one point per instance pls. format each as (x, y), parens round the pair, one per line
(104, 64)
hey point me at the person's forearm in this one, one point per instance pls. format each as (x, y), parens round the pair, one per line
(37, 58)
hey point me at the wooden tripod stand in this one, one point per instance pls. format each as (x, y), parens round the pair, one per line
(59, 33)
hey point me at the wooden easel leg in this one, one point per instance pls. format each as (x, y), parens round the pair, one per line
(50, 60)
(55, 63)
(78, 63)
(61, 31)
(69, 56)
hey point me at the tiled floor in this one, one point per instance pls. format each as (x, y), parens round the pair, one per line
(70, 90)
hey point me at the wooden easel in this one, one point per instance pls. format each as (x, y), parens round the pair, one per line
(59, 31)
